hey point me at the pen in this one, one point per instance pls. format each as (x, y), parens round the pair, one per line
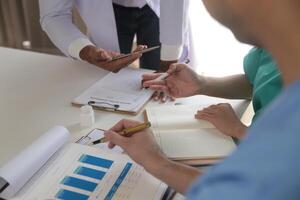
(129, 54)
(163, 76)
(127, 132)
(3, 184)
(160, 78)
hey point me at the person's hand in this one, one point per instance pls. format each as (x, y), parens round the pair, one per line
(223, 117)
(162, 97)
(141, 146)
(158, 95)
(181, 82)
(103, 58)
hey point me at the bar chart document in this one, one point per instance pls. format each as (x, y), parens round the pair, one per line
(85, 173)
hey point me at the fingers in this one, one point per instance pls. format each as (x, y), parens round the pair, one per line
(151, 76)
(207, 113)
(206, 117)
(116, 65)
(147, 77)
(140, 48)
(155, 96)
(176, 67)
(214, 111)
(225, 106)
(102, 55)
(124, 123)
(152, 83)
(163, 97)
(115, 139)
(159, 96)
(161, 88)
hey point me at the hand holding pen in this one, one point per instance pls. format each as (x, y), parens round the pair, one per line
(181, 81)
(126, 132)
(140, 146)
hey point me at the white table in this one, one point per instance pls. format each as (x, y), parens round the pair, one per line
(36, 91)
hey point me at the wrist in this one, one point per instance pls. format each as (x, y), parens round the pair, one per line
(202, 85)
(85, 53)
(156, 164)
(240, 131)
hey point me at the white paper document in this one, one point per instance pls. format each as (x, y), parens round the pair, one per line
(86, 173)
(118, 91)
(51, 169)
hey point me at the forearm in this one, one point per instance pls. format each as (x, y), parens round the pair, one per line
(179, 177)
(56, 21)
(230, 87)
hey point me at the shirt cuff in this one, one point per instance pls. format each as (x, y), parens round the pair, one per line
(76, 46)
(170, 52)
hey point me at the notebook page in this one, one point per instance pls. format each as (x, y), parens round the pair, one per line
(191, 144)
(122, 88)
(176, 117)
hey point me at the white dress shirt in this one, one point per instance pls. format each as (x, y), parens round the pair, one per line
(131, 3)
(56, 21)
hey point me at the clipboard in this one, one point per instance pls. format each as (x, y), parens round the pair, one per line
(117, 92)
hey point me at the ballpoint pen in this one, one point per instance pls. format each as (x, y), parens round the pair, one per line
(127, 132)
(136, 52)
(164, 75)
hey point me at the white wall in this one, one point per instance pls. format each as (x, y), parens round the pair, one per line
(218, 52)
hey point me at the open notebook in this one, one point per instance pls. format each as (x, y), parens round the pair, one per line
(52, 169)
(117, 92)
(182, 137)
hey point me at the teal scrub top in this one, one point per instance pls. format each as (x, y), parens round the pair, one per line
(262, 72)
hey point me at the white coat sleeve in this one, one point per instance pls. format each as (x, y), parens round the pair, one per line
(56, 21)
(173, 24)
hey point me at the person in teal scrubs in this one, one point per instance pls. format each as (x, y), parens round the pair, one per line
(262, 72)
(261, 82)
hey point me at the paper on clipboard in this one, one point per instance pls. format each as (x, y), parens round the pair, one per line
(118, 91)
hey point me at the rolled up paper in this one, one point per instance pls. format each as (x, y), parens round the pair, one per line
(19, 170)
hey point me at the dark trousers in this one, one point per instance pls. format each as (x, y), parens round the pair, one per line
(144, 23)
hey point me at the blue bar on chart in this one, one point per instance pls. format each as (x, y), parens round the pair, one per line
(79, 183)
(70, 195)
(92, 160)
(118, 182)
(92, 173)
